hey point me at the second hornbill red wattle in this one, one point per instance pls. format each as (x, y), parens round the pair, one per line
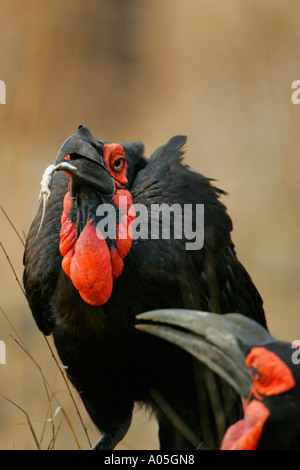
(86, 289)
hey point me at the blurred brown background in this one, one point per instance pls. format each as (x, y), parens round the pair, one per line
(219, 72)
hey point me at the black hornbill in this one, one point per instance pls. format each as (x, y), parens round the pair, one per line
(264, 371)
(85, 287)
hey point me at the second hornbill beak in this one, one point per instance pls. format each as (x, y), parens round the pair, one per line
(81, 157)
(221, 341)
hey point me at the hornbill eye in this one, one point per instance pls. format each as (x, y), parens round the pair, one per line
(118, 164)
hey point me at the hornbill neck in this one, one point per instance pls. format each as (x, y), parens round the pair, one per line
(84, 206)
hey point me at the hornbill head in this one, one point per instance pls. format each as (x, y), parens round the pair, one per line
(263, 370)
(96, 232)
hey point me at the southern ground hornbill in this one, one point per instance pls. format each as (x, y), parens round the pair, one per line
(264, 371)
(86, 288)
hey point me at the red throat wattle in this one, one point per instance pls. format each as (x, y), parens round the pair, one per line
(245, 434)
(88, 261)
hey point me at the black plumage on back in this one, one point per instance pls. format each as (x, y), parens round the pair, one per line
(109, 362)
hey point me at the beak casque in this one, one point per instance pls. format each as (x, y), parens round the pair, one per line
(82, 142)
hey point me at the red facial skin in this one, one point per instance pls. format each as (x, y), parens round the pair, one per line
(87, 260)
(270, 376)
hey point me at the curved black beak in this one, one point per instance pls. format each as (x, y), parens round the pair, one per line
(86, 173)
(85, 154)
(221, 341)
